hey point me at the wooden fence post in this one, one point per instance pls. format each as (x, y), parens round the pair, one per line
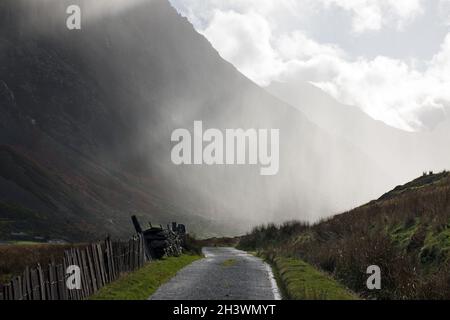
(63, 292)
(93, 276)
(16, 284)
(26, 282)
(53, 281)
(41, 280)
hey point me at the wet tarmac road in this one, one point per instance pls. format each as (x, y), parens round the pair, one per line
(224, 274)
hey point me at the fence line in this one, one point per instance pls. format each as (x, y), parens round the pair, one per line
(99, 263)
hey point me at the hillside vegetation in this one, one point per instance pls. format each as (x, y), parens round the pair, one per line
(406, 232)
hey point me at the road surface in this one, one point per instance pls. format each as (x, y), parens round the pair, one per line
(224, 273)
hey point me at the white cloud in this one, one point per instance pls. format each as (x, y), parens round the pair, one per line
(382, 87)
(366, 15)
(373, 15)
(264, 39)
(393, 90)
(245, 40)
(444, 11)
(297, 45)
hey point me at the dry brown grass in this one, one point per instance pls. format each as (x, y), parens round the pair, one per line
(407, 234)
(218, 242)
(15, 257)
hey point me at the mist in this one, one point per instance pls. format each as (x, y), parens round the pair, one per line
(137, 71)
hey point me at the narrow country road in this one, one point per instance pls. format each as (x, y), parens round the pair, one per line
(224, 273)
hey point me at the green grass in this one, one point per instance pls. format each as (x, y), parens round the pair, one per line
(24, 243)
(436, 247)
(440, 239)
(402, 234)
(229, 263)
(5, 278)
(301, 281)
(141, 284)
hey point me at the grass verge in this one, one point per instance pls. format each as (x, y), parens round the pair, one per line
(301, 281)
(141, 284)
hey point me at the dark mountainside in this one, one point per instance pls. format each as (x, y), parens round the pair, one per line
(86, 118)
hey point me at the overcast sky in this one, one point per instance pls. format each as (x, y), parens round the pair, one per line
(389, 57)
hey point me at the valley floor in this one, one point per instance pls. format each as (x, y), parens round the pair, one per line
(225, 273)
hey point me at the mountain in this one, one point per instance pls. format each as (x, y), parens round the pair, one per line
(401, 154)
(87, 115)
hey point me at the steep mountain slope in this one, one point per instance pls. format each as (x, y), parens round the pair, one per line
(403, 154)
(86, 119)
